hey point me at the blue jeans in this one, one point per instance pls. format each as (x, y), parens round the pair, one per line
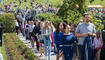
(81, 52)
(86, 50)
(47, 41)
(23, 31)
(85, 54)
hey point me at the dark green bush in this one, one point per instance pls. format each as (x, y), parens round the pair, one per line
(8, 19)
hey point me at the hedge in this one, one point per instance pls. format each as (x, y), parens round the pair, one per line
(16, 50)
(8, 19)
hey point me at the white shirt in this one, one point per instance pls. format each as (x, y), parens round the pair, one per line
(31, 27)
(16, 24)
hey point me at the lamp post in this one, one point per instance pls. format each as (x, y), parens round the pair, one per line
(1, 32)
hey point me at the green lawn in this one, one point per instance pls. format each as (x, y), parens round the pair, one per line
(98, 2)
(3, 52)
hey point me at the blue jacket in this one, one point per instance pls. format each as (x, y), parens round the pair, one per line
(88, 50)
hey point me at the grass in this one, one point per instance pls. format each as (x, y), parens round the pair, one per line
(2, 51)
(98, 2)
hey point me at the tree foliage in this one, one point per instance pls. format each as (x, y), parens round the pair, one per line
(97, 22)
(50, 17)
(73, 5)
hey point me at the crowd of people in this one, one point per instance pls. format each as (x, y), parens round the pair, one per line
(39, 7)
(68, 42)
(82, 42)
(98, 12)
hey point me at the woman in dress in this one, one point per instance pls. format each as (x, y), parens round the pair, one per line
(68, 40)
(58, 39)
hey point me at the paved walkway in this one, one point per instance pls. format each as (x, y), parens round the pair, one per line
(1, 57)
(27, 43)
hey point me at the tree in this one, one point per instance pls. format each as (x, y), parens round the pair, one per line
(72, 10)
(73, 5)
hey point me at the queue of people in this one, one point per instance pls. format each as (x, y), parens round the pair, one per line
(82, 43)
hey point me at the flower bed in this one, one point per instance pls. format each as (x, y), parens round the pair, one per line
(16, 50)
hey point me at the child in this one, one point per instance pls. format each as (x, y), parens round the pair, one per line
(97, 44)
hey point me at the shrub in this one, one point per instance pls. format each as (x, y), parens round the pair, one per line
(8, 19)
(16, 48)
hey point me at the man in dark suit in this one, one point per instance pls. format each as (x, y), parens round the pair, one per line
(1, 28)
(102, 54)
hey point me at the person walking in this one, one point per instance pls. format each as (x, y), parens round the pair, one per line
(46, 31)
(102, 54)
(36, 32)
(97, 45)
(68, 40)
(84, 32)
(16, 26)
(72, 30)
(31, 28)
(58, 34)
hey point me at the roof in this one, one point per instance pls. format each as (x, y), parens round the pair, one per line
(92, 6)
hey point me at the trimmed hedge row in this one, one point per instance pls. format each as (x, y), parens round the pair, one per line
(8, 19)
(16, 50)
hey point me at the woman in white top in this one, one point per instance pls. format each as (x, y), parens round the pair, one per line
(47, 38)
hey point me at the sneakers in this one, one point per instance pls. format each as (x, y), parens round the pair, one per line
(40, 55)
